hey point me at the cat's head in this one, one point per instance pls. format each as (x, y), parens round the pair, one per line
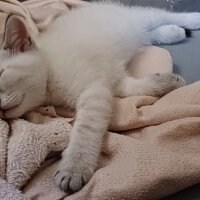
(23, 71)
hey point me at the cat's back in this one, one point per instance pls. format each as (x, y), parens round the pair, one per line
(90, 44)
(94, 30)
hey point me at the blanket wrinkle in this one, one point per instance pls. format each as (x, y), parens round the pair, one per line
(151, 150)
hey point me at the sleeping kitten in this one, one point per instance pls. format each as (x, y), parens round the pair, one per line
(80, 62)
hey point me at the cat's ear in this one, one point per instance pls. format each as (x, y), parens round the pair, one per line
(16, 38)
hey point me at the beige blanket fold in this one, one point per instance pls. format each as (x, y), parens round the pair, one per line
(151, 150)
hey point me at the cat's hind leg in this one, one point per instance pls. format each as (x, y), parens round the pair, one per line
(168, 34)
(153, 85)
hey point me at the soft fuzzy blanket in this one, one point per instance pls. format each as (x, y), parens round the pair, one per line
(151, 150)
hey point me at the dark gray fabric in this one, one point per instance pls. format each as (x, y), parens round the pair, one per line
(167, 4)
(187, 5)
(155, 3)
(192, 193)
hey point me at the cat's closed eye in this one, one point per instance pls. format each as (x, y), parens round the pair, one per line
(1, 71)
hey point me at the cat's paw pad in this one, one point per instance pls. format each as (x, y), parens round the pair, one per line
(165, 83)
(192, 21)
(72, 176)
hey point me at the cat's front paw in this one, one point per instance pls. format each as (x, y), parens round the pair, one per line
(165, 83)
(73, 173)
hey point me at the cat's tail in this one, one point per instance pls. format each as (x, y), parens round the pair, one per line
(164, 27)
(152, 18)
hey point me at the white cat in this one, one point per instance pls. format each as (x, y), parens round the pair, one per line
(80, 62)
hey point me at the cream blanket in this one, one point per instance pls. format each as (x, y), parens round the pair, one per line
(152, 151)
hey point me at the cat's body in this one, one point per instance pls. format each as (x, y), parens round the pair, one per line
(80, 62)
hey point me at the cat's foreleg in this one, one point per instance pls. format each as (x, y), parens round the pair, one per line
(79, 160)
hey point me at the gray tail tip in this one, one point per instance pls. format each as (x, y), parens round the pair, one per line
(188, 33)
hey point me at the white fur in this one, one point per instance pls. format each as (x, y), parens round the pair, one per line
(80, 62)
(167, 34)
